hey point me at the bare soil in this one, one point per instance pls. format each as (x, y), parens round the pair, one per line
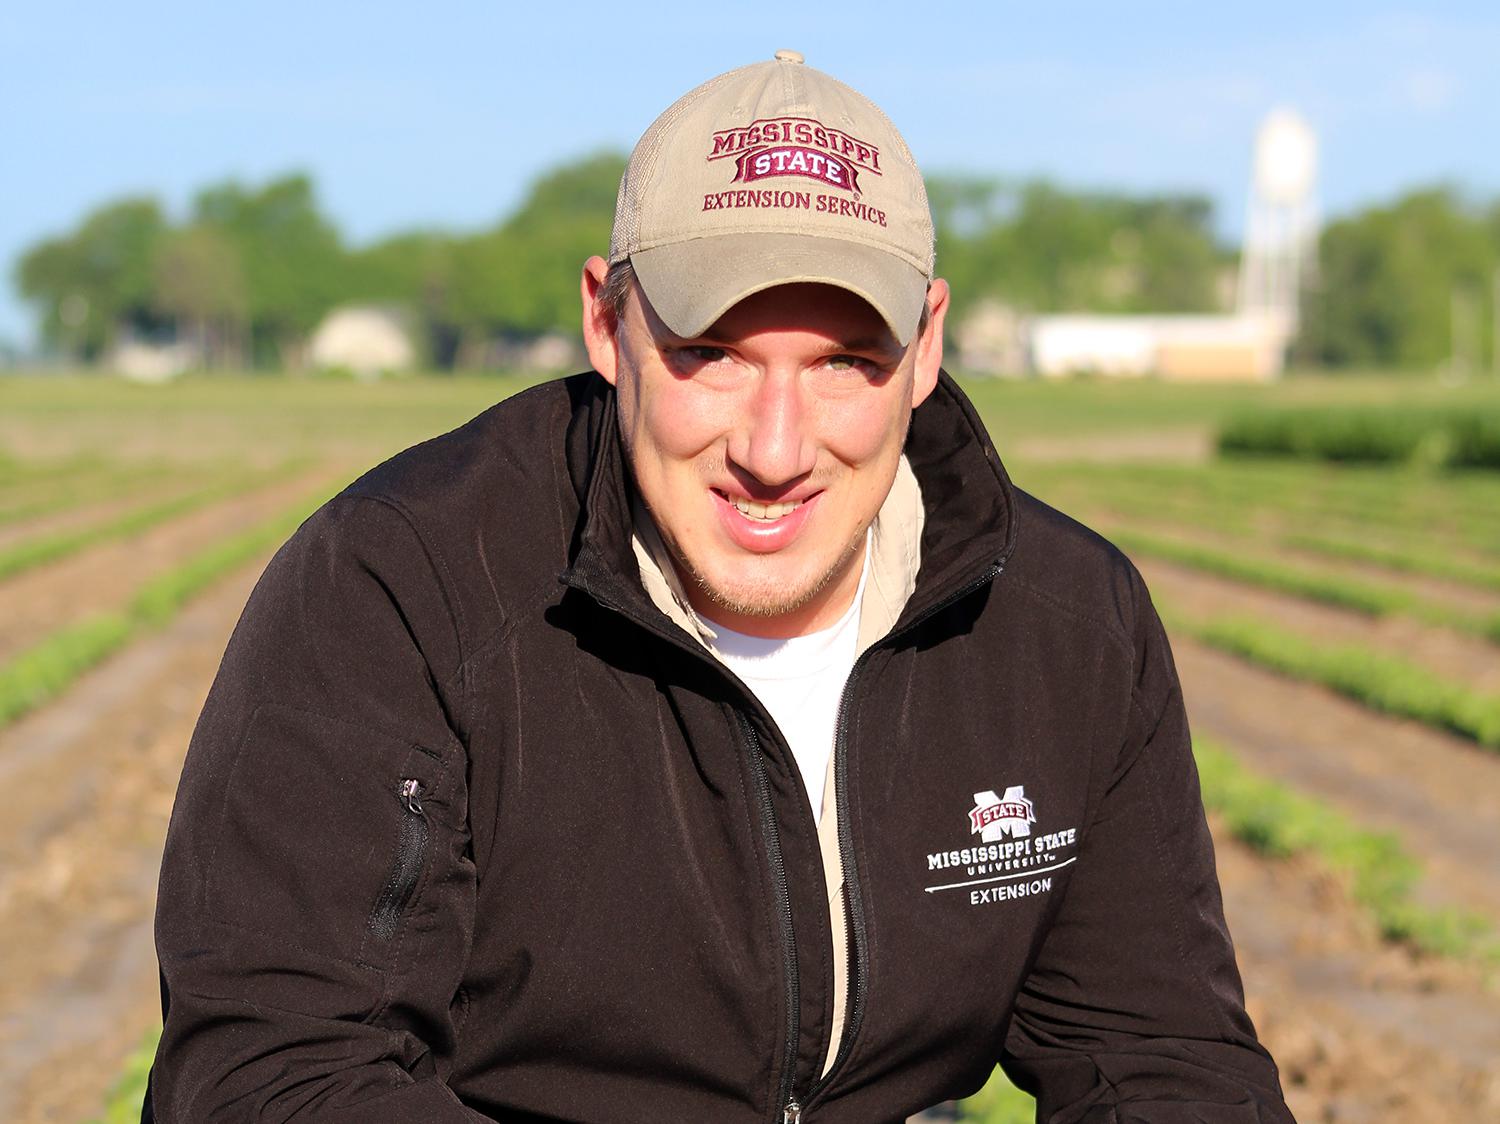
(1362, 1031)
(1192, 446)
(104, 577)
(1439, 794)
(91, 780)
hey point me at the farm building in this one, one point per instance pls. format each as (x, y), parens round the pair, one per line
(995, 340)
(366, 340)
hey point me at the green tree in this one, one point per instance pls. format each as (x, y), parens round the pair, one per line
(1388, 277)
(200, 284)
(522, 277)
(98, 281)
(1041, 248)
(293, 263)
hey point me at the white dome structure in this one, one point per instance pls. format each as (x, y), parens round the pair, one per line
(366, 340)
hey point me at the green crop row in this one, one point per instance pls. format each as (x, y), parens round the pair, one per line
(51, 497)
(1460, 505)
(122, 1104)
(30, 553)
(1382, 875)
(16, 470)
(1366, 434)
(1366, 597)
(999, 1102)
(1385, 683)
(1362, 597)
(1410, 559)
(45, 670)
(1421, 548)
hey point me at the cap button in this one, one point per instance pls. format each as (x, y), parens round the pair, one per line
(789, 56)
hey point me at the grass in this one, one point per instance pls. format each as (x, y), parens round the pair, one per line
(999, 1102)
(122, 1105)
(1386, 683)
(1381, 875)
(49, 667)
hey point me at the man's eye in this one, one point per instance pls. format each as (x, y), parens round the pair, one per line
(705, 354)
(847, 363)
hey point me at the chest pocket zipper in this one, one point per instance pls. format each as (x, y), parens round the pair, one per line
(411, 850)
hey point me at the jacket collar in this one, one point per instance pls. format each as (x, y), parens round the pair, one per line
(966, 527)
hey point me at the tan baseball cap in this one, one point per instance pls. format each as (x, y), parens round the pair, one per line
(770, 174)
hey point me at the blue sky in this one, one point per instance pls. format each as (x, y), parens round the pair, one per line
(438, 115)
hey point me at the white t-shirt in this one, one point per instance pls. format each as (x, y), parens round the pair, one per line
(800, 680)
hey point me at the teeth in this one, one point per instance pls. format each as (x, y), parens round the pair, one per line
(763, 511)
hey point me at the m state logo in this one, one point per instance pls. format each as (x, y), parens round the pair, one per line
(1011, 860)
(994, 817)
(795, 146)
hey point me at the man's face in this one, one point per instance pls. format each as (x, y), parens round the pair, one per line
(765, 447)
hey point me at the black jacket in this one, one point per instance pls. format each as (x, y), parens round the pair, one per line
(469, 830)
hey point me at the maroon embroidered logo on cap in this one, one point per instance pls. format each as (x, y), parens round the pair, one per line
(796, 146)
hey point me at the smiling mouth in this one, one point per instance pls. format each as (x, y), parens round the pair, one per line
(761, 512)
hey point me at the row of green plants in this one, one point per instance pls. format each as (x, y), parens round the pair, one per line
(21, 471)
(1371, 598)
(1381, 875)
(1339, 537)
(1457, 505)
(1366, 434)
(49, 667)
(40, 550)
(1386, 683)
(122, 1104)
(39, 499)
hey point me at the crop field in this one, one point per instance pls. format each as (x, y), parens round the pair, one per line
(1333, 602)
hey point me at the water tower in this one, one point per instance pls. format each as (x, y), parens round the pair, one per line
(1283, 224)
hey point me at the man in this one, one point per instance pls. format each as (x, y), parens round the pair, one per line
(715, 737)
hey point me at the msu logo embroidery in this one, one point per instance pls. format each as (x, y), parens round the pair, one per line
(994, 817)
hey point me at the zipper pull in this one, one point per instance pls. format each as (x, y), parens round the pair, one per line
(792, 1114)
(411, 795)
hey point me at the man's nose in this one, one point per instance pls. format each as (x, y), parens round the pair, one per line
(772, 439)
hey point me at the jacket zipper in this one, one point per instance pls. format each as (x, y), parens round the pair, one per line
(855, 916)
(411, 849)
(789, 976)
(793, 1106)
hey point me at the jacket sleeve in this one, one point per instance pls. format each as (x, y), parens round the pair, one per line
(1134, 1011)
(317, 890)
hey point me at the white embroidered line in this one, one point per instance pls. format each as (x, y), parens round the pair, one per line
(1002, 877)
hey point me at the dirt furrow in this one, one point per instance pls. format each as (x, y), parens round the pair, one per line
(1467, 660)
(104, 577)
(1363, 1032)
(80, 856)
(1438, 793)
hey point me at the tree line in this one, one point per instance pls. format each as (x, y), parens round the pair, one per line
(248, 273)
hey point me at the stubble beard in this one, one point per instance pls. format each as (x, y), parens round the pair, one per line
(765, 596)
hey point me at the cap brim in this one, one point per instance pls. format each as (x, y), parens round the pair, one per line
(691, 284)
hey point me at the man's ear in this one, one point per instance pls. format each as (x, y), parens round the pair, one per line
(930, 343)
(600, 325)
